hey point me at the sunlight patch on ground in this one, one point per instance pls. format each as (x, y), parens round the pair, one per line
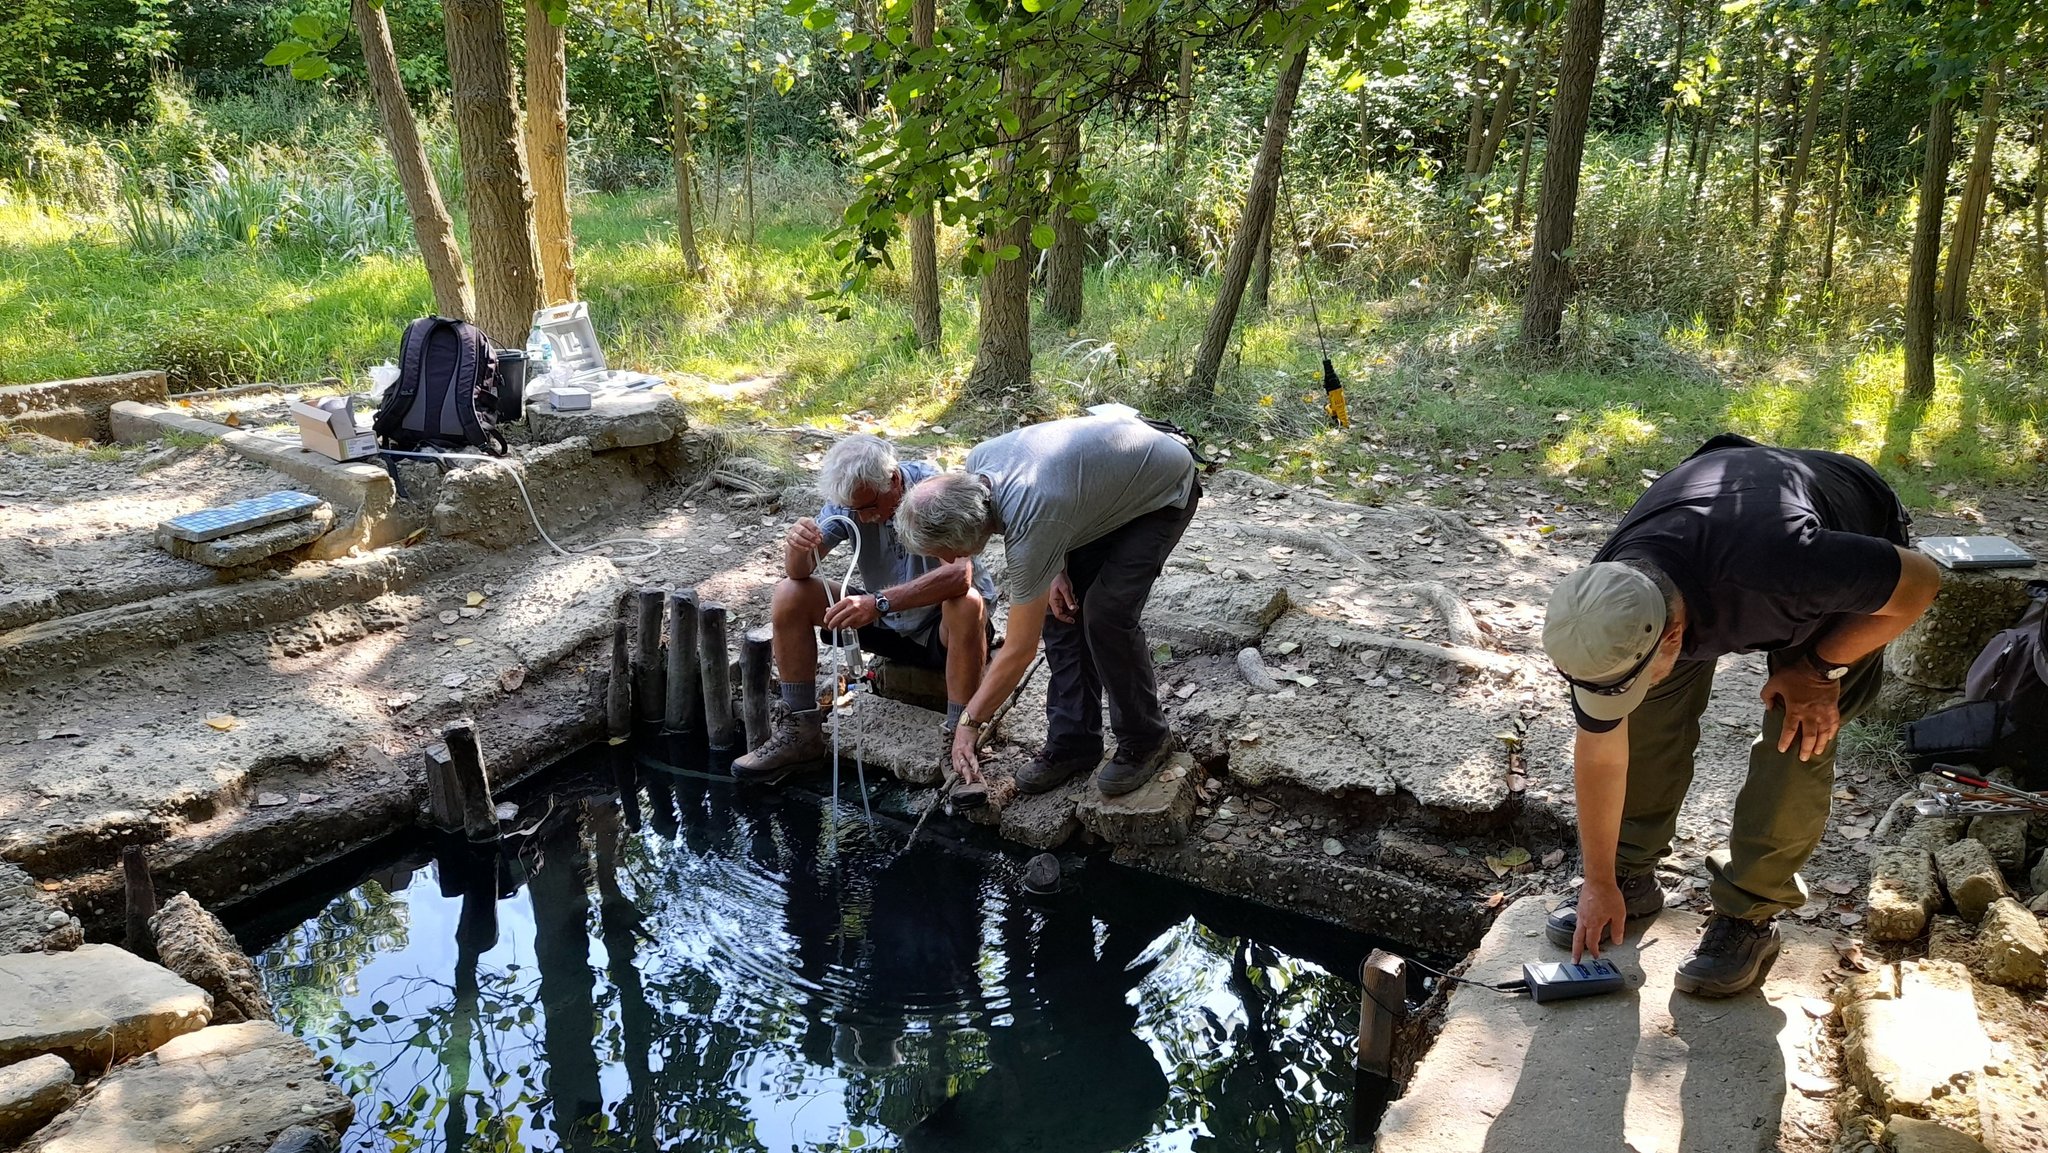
(1591, 439)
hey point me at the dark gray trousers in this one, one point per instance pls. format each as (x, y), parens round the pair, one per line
(1105, 647)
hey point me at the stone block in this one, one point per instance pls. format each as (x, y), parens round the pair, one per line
(32, 920)
(1199, 613)
(192, 943)
(891, 737)
(1971, 878)
(1903, 893)
(2012, 949)
(1969, 610)
(2038, 879)
(253, 546)
(1046, 820)
(910, 684)
(1905, 1052)
(613, 420)
(66, 424)
(2005, 835)
(94, 396)
(235, 1087)
(31, 1093)
(1879, 984)
(1156, 814)
(1912, 1135)
(1934, 833)
(95, 1006)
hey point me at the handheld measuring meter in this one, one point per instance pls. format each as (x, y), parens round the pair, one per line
(1562, 980)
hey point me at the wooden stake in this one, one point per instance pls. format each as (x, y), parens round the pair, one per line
(757, 683)
(714, 672)
(618, 692)
(649, 674)
(1384, 981)
(141, 893)
(684, 712)
(469, 783)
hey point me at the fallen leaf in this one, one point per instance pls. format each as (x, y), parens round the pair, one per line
(460, 641)
(512, 678)
(1850, 951)
(1285, 647)
(232, 420)
(1818, 1008)
(1851, 920)
(224, 723)
(1839, 886)
(1553, 858)
(1496, 899)
(309, 798)
(1854, 832)
(1499, 867)
(506, 810)
(616, 741)
(450, 616)
(474, 599)
(271, 800)
(1812, 1084)
(1515, 856)
(453, 680)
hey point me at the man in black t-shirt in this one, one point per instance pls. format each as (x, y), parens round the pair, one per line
(1741, 548)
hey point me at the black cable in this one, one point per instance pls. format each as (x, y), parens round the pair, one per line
(1509, 987)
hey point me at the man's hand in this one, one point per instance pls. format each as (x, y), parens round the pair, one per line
(806, 536)
(1602, 914)
(855, 612)
(1062, 601)
(1812, 705)
(966, 762)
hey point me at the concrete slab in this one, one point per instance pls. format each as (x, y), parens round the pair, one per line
(31, 1093)
(1649, 1070)
(613, 420)
(1155, 814)
(254, 546)
(1200, 613)
(891, 736)
(88, 397)
(95, 1006)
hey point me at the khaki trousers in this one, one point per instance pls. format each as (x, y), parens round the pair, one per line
(1780, 813)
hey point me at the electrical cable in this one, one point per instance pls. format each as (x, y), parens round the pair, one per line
(842, 638)
(1333, 385)
(653, 547)
(1510, 987)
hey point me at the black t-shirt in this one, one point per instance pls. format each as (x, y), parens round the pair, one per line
(1768, 546)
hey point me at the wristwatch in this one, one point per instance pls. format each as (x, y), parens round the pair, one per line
(1827, 669)
(882, 603)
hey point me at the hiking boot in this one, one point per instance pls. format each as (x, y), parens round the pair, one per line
(1733, 955)
(1641, 896)
(1128, 771)
(1049, 770)
(797, 743)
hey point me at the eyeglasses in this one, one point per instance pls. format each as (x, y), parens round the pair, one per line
(1614, 688)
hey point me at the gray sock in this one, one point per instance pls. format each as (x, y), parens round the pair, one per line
(799, 696)
(953, 711)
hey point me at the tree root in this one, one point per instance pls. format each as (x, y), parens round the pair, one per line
(1253, 668)
(1458, 618)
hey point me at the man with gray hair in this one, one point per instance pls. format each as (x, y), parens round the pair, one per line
(1799, 554)
(1088, 510)
(921, 611)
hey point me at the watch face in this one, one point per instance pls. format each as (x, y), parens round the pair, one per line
(1838, 672)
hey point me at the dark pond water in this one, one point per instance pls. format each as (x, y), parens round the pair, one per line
(668, 963)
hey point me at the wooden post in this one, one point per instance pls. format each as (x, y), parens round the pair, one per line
(141, 893)
(618, 691)
(757, 683)
(469, 783)
(684, 713)
(1383, 981)
(714, 673)
(648, 670)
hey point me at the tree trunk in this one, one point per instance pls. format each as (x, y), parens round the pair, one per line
(2041, 223)
(1550, 273)
(1482, 164)
(1183, 103)
(1782, 240)
(1756, 134)
(1364, 128)
(1261, 290)
(1528, 140)
(1927, 251)
(1258, 216)
(1952, 307)
(746, 70)
(923, 230)
(680, 115)
(1002, 363)
(1838, 182)
(432, 229)
(494, 184)
(1712, 120)
(1671, 109)
(547, 150)
(1069, 247)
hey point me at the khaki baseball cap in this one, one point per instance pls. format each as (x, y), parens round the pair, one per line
(1603, 624)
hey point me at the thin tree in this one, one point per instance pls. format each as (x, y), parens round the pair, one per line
(1789, 211)
(1671, 102)
(1528, 140)
(923, 230)
(1921, 262)
(1251, 228)
(1183, 103)
(494, 181)
(2041, 223)
(1002, 362)
(682, 113)
(1063, 275)
(1838, 181)
(1550, 273)
(432, 229)
(1756, 132)
(547, 150)
(1952, 306)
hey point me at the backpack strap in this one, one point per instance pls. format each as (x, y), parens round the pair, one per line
(473, 360)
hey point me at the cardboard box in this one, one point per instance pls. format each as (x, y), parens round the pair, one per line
(328, 427)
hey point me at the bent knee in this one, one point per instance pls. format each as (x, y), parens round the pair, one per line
(967, 606)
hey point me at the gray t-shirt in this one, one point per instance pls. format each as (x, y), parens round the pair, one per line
(885, 563)
(1061, 484)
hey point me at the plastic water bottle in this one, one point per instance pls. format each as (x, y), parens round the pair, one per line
(540, 361)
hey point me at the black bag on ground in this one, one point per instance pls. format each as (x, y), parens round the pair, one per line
(2004, 720)
(446, 395)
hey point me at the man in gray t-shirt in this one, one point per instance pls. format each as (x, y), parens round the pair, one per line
(905, 607)
(1088, 510)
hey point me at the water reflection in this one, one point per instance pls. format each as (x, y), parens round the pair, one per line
(667, 964)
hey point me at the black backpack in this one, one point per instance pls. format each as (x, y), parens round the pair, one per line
(2005, 718)
(446, 395)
